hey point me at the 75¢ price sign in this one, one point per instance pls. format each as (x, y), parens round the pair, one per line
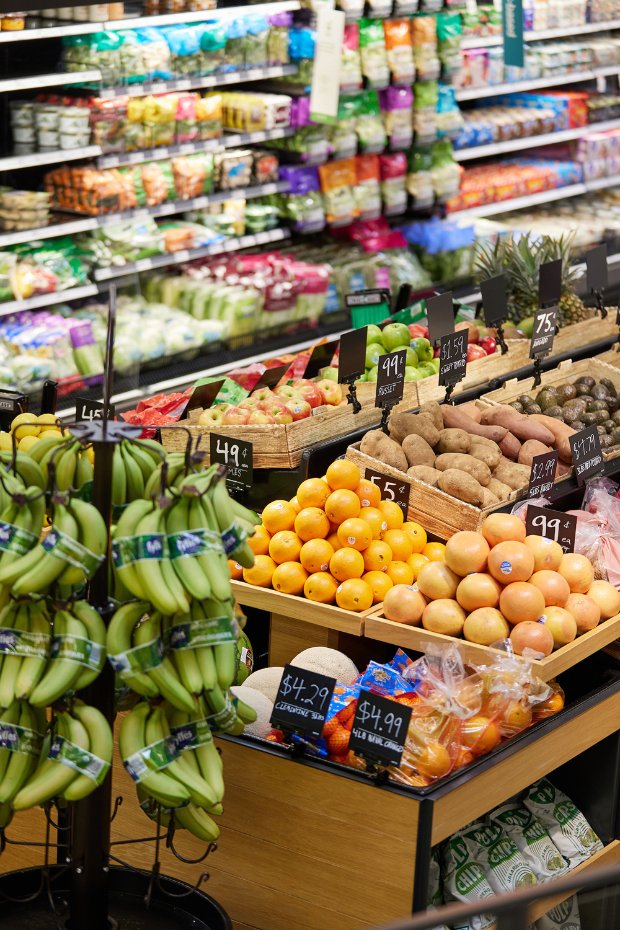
(302, 701)
(380, 728)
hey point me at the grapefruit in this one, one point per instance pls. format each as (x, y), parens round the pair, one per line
(478, 590)
(503, 527)
(466, 553)
(511, 561)
(485, 626)
(547, 553)
(443, 616)
(436, 580)
(606, 597)
(554, 587)
(561, 624)
(521, 601)
(585, 610)
(578, 572)
(404, 604)
(533, 636)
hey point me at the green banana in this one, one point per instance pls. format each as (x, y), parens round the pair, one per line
(157, 729)
(34, 572)
(164, 675)
(33, 667)
(226, 520)
(92, 534)
(225, 654)
(62, 672)
(119, 479)
(45, 446)
(65, 466)
(185, 662)
(21, 765)
(101, 745)
(84, 471)
(119, 635)
(158, 785)
(97, 634)
(13, 661)
(126, 528)
(156, 574)
(187, 567)
(142, 457)
(10, 716)
(133, 474)
(28, 470)
(51, 778)
(213, 562)
(204, 656)
(198, 822)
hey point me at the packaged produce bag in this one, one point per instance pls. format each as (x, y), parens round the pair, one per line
(504, 866)
(568, 828)
(465, 876)
(565, 916)
(531, 838)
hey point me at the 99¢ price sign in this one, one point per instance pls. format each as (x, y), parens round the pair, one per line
(380, 728)
(302, 701)
(391, 489)
(552, 524)
(236, 455)
(390, 378)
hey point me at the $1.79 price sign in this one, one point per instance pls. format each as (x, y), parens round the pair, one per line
(391, 489)
(452, 357)
(587, 453)
(552, 524)
(302, 701)
(542, 474)
(236, 455)
(543, 332)
(390, 378)
(380, 728)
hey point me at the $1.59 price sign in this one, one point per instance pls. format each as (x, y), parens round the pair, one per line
(380, 728)
(552, 524)
(543, 332)
(542, 474)
(302, 701)
(390, 378)
(587, 453)
(391, 489)
(236, 455)
(452, 357)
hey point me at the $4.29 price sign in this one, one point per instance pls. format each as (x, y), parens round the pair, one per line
(543, 332)
(380, 728)
(390, 378)
(542, 475)
(552, 524)
(587, 453)
(452, 357)
(236, 455)
(391, 489)
(302, 701)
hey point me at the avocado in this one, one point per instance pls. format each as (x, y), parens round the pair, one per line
(525, 399)
(598, 405)
(609, 426)
(547, 398)
(577, 425)
(605, 441)
(611, 387)
(589, 418)
(517, 406)
(582, 389)
(566, 392)
(555, 411)
(616, 416)
(616, 436)
(586, 379)
(533, 408)
(599, 392)
(600, 429)
(600, 415)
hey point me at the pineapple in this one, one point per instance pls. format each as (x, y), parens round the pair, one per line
(520, 261)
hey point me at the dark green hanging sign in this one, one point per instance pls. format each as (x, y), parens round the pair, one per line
(512, 18)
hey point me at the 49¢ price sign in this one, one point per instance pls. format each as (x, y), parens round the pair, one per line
(236, 455)
(380, 727)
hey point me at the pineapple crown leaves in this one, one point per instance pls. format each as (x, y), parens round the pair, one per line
(520, 260)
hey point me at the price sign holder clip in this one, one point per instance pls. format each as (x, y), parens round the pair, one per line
(597, 276)
(449, 389)
(537, 372)
(352, 397)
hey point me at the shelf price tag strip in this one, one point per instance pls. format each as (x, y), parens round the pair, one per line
(302, 701)
(542, 474)
(237, 456)
(391, 489)
(552, 524)
(587, 454)
(379, 730)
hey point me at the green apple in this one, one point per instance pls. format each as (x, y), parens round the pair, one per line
(374, 334)
(396, 335)
(363, 377)
(329, 373)
(411, 373)
(427, 369)
(373, 351)
(435, 364)
(372, 374)
(423, 349)
(412, 358)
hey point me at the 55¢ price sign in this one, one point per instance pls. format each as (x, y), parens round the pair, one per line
(391, 489)
(380, 728)
(302, 701)
(236, 455)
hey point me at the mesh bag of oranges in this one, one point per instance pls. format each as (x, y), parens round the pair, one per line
(337, 542)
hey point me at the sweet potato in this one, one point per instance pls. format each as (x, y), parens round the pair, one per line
(379, 446)
(561, 431)
(404, 424)
(531, 448)
(418, 451)
(453, 440)
(486, 450)
(472, 410)
(501, 490)
(466, 463)
(519, 424)
(456, 418)
(432, 410)
(460, 484)
(515, 476)
(424, 473)
(510, 447)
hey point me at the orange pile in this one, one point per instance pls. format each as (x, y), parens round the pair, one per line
(336, 541)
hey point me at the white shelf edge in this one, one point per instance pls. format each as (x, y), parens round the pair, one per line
(47, 232)
(575, 77)
(520, 203)
(54, 79)
(45, 300)
(36, 159)
(541, 35)
(219, 79)
(528, 142)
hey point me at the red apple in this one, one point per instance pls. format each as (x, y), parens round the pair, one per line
(474, 351)
(236, 416)
(417, 330)
(248, 403)
(332, 392)
(489, 344)
(300, 409)
(278, 412)
(263, 393)
(260, 416)
(287, 392)
(472, 331)
(310, 391)
(213, 415)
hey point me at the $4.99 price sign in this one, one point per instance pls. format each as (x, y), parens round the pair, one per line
(380, 728)
(543, 332)
(390, 378)
(552, 524)
(391, 489)
(452, 357)
(236, 455)
(302, 701)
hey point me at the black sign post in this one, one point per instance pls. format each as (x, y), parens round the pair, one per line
(596, 268)
(440, 314)
(236, 455)
(587, 454)
(321, 358)
(495, 306)
(302, 701)
(379, 731)
(542, 475)
(391, 489)
(352, 362)
(552, 524)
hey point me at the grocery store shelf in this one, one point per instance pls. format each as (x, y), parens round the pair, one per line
(36, 159)
(598, 184)
(176, 258)
(55, 79)
(63, 228)
(211, 80)
(555, 80)
(541, 35)
(47, 300)
(51, 32)
(608, 855)
(528, 142)
(228, 140)
(520, 203)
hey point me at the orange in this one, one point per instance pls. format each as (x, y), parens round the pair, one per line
(289, 578)
(416, 561)
(354, 594)
(261, 572)
(377, 557)
(334, 542)
(355, 533)
(417, 534)
(346, 563)
(375, 519)
(400, 572)
(236, 571)
(343, 474)
(369, 493)
(433, 760)
(380, 582)
(285, 546)
(315, 555)
(278, 515)
(311, 523)
(259, 542)
(480, 734)
(313, 492)
(393, 514)
(435, 552)
(341, 505)
(295, 504)
(321, 587)
(400, 543)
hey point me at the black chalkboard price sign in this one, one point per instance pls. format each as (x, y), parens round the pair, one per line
(552, 524)
(390, 378)
(587, 453)
(302, 701)
(380, 728)
(91, 409)
(391, 489)
(543, 332)
(236, 455)
(453, 357)
(542, 474)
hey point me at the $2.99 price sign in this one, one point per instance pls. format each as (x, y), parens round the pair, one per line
(587, 453)
(236, 455)
(302, 701)
(452, 357)
(552, 524)
(543, 332)
(390, 378)
(380, 728)
(391, 489)
(542, 475)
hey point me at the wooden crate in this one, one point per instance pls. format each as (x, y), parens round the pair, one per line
(378, 627)
(277, 445)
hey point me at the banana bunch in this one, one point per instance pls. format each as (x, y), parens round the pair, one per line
(68, 555)
(133, 465)
(24, 468)
(74, 760)
(65, 458)
(21, 520)
(21, 738)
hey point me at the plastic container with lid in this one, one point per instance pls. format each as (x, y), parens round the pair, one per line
(13, 22)
(98, 12)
